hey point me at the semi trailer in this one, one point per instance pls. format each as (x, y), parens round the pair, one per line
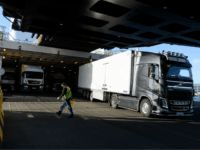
(31, 78)
(154, 84)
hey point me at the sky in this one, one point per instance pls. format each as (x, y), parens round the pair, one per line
(193, 53)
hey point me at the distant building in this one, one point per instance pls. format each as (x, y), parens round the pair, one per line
(197, 88)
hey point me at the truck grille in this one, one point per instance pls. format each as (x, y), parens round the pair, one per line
(34, 82)
(179, 100)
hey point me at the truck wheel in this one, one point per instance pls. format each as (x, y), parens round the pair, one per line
(88, 95)
(145, 108)
(114, 101)
(84, 94)
(91, 97)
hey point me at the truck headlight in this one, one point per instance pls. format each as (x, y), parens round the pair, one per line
(192, 105)
(164, 103)
(25, 81)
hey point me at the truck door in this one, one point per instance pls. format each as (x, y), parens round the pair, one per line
(105, 84)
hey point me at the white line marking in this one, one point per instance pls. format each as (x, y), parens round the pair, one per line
(38, 99)
(9, 106)
(27, 107)
(57, 116)
(30, 115)
(50, 106)
(43, 107)
(34, 106)
(18, 106)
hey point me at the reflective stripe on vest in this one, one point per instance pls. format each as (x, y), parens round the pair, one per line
(69, 94)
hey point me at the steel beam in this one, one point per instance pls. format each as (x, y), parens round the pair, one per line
(49, 50)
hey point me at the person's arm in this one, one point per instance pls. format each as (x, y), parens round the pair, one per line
(63, 93)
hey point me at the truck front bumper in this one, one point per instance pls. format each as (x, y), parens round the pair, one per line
(32, 88)
(165, 112)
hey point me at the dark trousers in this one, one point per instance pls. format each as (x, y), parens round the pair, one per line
(67, 103)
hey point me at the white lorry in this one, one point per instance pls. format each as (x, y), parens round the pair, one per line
(31, 78)
(151, 83)
(8, 79)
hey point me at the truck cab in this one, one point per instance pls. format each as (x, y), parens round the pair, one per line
(32, 78)
(8, 79)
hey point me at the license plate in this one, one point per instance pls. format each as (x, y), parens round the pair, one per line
(33, 88)
(180, 114)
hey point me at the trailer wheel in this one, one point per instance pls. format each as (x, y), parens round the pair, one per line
(84, 94)
(145, 108)
(88, 95)
(114, 101)
(91, 97)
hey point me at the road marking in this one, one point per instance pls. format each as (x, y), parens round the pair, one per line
(30, 115)
(57, 116)
(34, 106)
(38, 99)
(27, 107)
(18, 106)
(9, 106)
(43, 107)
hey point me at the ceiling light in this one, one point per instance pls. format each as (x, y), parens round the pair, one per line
(40, 58)
(44, 68)
(52, 70)
(52, 66)
(61, 24)
(74, 72)
(61, 61)
(15, 60)
(4, 49)
(64, 67)
(90, 59)
(76, 62)
(164, 7)
(4, 57)
(70, 70)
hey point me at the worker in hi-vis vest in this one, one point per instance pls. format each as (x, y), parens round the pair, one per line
(67, 96)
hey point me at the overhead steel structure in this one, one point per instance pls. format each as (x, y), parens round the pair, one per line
(86, 25)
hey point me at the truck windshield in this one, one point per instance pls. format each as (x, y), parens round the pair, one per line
(177, 72)
(8, 76)
(34, 75)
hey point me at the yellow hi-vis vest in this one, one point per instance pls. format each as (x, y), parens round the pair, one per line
(69, 93)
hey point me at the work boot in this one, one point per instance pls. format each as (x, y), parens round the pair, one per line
(58, 113)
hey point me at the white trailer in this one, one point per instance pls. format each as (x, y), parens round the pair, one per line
(108, 74)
